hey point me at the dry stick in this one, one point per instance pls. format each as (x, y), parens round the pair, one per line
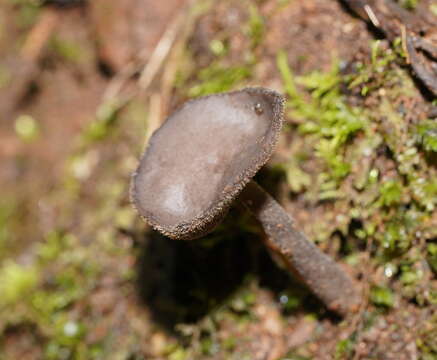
(161, 51)
(174, 62)
(320, 273)
(25, 66)
(428, 77)
(150, 69)
(40, 34)
(389, 17)
(155, 117)
(169, 49)
(152, 66)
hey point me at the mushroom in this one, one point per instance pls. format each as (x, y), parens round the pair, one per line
(203, 157)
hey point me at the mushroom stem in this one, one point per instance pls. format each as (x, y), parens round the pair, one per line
(318, 271)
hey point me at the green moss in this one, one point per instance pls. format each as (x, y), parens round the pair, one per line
(409, 4)
(68, 50)
(68, 341)
(5, 76)
(391, 207)
(432, 256)
(382, 296)
(283, 3)
(53, 246)
(255, 27)
(374, 161)
(291, 299)
(62, 272)
(178, 354)
(230, 343)
(424, 192)
(16, 282)
(427, 135)
(8, 217)
(344, 349)
(427, 339)
(243, 301)
(217, 78)
(28, 11)
(297, 179)
(106, 117)
(377, 74)
(27, 128)
(325, 118)
(218, 47)
(395, 238)
(390, 193)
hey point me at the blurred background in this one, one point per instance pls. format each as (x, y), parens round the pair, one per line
(83, 85)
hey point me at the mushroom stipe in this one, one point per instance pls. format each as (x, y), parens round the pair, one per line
(316, 269)
(203, 157)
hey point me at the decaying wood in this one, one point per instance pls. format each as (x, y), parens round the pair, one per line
(418, 31)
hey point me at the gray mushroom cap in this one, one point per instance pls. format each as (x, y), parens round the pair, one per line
(199, 160)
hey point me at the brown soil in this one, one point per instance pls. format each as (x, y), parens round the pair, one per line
(62, 91)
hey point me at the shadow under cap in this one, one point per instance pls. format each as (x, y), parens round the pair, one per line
(201, 158)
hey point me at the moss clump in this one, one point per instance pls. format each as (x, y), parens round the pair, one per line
(16, 282)
(409, 4)
(218, 78)
(325, 119)
(382, 296)
(372, 161)
(427, 135)
(255, 27)
(68, 50)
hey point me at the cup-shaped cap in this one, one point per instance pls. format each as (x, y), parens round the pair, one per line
(199, 160)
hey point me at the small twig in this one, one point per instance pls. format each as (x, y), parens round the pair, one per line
(371, 15)
(149, 68)
(116, 84)
(161, 51)
(426, 46)
(25, 64)
(40, 34)
(155, 117)
(394, 21)
(426, 76)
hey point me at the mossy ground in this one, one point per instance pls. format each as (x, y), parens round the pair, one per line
(81, 277)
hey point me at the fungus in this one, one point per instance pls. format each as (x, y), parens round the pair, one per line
(204, 157)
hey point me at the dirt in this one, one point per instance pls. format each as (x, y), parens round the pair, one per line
(123, 291)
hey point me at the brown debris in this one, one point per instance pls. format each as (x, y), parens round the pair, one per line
(417, 30)
(24, 66)
(127, 30)
(423, 69)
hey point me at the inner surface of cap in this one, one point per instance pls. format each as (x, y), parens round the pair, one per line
(200, 153)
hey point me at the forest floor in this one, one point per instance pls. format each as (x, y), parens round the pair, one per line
(82, 87)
